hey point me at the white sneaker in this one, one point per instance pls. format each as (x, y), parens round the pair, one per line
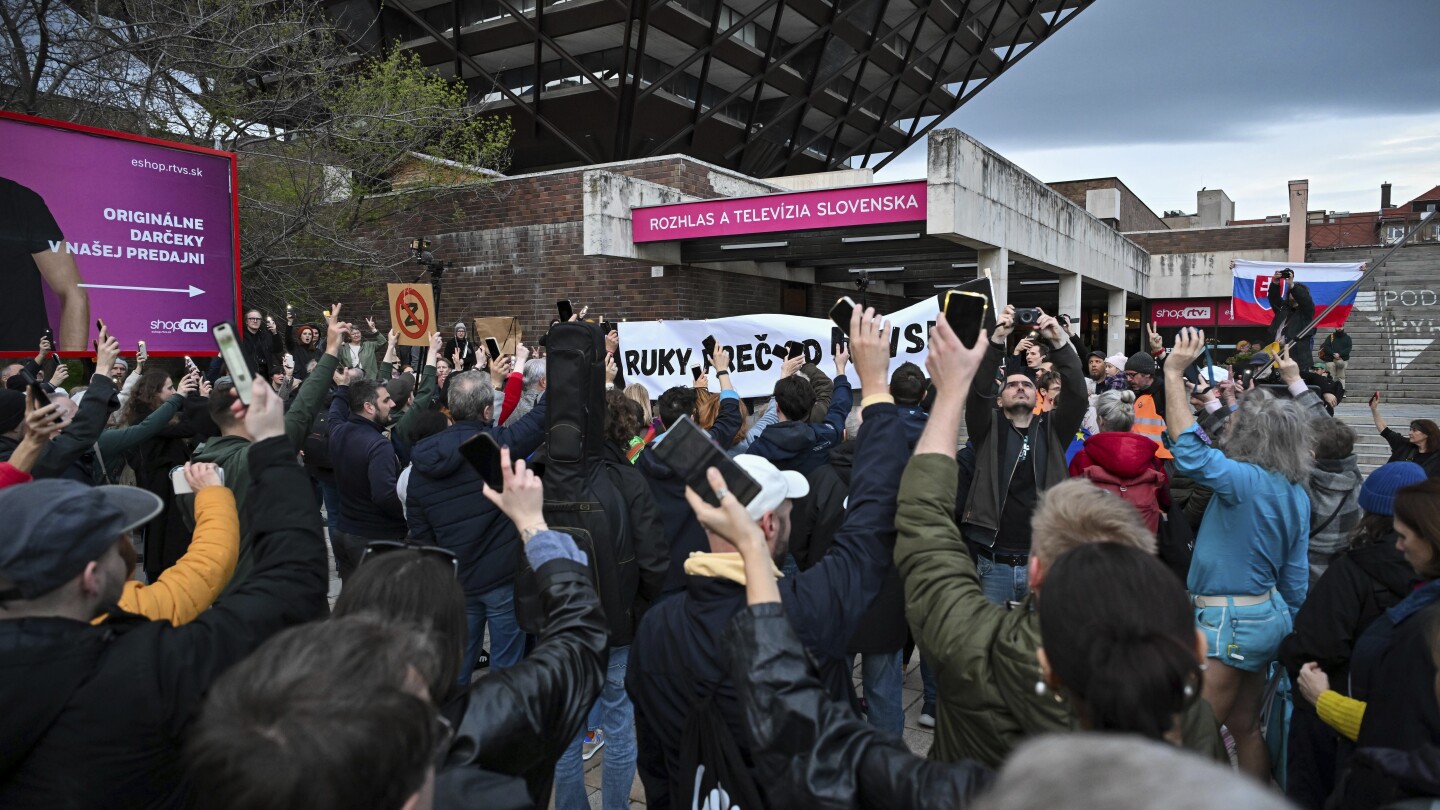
(926, 721)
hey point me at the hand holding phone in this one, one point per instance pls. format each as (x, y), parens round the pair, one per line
(1375, 399)
(482, 452)
(965, 312)
(492, 348)
(708, 344)
(689, 451)
(202, 475)
(840, 314)
(229, 345)
(793, 349)
(565, 309)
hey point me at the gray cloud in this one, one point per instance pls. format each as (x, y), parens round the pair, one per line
(1176, 71)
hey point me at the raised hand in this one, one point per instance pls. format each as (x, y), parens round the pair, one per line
(790, 366)
(1189, 344)
(870, 348)
(107, 348)
(842, 358)
(612, 341)
(60, 375)
(1004, 325)
(265, 416)
(1289, 369)
(1050, 330)
(1156, 342)
(522, 355)
(523, 498)
(951, 365)
(437, 345)
(189, 384)
(335, 330)
(200, 475)
(370, 324)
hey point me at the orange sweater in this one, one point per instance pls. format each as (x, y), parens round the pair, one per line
(188, 587)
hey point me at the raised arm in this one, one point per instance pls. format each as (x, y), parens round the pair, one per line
(980, 401)
(942, 587)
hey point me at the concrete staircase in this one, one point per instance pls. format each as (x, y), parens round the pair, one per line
(1371, 447)
(1395, 327)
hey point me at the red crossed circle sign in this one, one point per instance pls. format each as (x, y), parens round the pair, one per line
(412, 317)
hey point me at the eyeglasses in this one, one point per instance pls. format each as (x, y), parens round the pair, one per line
(377, 547)
(257, 320)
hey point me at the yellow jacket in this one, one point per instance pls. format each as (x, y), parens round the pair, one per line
(188, 587)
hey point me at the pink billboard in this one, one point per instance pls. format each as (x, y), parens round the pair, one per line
(1199, 312)
(773, 213)
(98, 225)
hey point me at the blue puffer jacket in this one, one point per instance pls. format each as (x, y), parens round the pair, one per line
(444, 504)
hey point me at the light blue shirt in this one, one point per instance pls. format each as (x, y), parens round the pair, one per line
(1256, 531)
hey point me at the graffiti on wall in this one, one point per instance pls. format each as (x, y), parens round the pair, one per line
(1408, 334)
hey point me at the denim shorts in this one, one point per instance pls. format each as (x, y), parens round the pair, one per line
(1244, 637)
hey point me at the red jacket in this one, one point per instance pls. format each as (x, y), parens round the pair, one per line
(10, 476)
(1123, 455)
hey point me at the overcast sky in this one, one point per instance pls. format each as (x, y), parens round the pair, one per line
(1172, 96)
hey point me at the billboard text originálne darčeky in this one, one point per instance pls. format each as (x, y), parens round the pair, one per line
(136, 232)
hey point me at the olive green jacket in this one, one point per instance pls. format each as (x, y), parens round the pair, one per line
(982, 654)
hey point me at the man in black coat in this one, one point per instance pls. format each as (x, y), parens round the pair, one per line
(94, 713)
(366, 470)
(261, 345)
(677, 663)
(1292, 309)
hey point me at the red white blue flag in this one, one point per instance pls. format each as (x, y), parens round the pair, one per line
(1327, 282)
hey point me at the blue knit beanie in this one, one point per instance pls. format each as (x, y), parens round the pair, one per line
(1377, 494)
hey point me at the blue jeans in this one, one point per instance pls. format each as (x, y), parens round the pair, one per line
(1002, 583)
(927, 682)
(615, 715)
(882, 676)
(507, 641)
(330, 496)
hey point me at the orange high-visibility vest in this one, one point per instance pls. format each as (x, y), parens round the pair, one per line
(1149, 423)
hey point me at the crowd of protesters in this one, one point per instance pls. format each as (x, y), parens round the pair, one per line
(1129, 583)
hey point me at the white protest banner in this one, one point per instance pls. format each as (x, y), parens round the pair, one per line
(659, 354)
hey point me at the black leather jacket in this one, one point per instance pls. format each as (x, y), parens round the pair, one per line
(516, 722)
(814, 752)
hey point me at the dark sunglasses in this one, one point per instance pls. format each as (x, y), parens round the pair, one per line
(377, 547)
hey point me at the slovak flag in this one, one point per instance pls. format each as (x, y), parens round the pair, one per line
(1327, 282)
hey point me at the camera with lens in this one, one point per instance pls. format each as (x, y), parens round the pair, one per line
(1027, 316)
(420, 251)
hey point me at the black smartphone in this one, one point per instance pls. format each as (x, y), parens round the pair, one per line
(696, 371)
(37, 390)
(492, 347)
(566, 311)
(690, 451)
(1374, 398)
(837, 338)
(709, 346)
(609, 326)
(840, 314)
(483, 453)
(965, 312)
(794, 349)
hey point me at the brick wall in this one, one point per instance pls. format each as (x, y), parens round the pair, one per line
(1135, 215)
(515, 248)
(1203, 240)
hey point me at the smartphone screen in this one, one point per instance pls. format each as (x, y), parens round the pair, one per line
(492, 346)
(965, 312)
(229, 346)
(837, 338)
(689, 451)
(793, 349)
(696, 371)
(483, 453)
(840, 314)
(566, 311)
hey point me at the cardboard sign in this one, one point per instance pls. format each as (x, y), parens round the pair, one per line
(504, 329)
(412, 311)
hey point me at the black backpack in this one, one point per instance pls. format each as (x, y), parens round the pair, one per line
(581, 496)
(712, 772)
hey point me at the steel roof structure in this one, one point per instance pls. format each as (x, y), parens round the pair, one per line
(765, 87)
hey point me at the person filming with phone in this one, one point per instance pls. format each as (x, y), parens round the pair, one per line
(1292, 309)
(678, 673)
(1009, 436)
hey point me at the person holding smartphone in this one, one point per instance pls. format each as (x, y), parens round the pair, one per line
(676, 662)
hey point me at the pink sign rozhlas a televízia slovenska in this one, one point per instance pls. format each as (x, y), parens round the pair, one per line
(773, 213)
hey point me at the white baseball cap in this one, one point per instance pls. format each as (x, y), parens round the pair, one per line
(775, 484)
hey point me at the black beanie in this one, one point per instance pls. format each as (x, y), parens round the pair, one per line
(1142, 363)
